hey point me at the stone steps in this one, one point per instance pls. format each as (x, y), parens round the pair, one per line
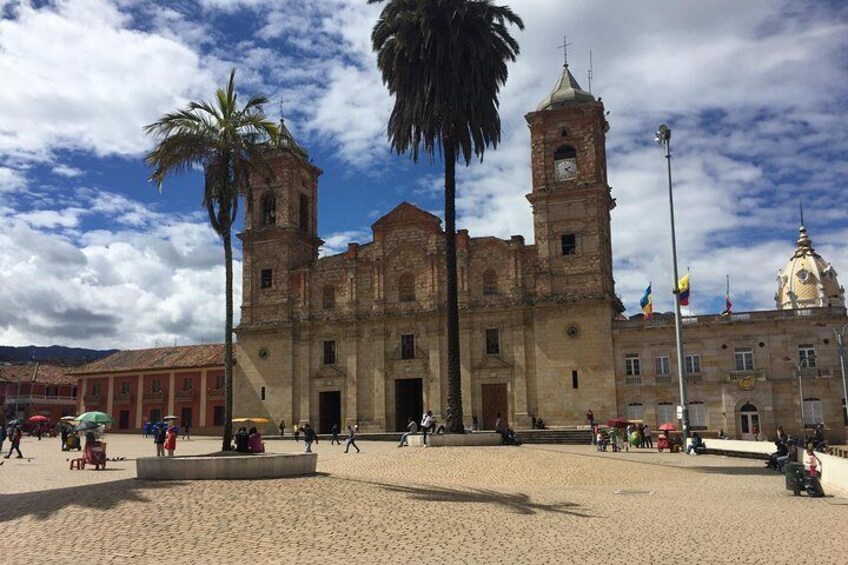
(571, 437)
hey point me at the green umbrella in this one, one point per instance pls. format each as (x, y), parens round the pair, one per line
(96, 417)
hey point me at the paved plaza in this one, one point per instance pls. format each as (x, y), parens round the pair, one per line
(533, 504)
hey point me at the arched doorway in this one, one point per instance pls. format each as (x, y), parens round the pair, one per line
(749, 420)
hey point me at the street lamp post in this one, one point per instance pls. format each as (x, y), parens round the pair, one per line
(840, 343)
(799, 368)
(664, 140)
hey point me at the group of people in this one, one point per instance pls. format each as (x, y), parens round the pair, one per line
(622, 439)
(248, 441)
(165, 438)
(154, 428)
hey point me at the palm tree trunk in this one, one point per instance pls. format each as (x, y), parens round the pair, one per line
(454, 407)
(228, 345)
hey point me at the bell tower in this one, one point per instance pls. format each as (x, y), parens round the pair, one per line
(571, 198)
(280, 236)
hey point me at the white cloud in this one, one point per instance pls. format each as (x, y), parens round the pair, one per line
(11, 180)
(67, 171)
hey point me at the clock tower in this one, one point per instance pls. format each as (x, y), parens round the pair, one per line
(570, 197)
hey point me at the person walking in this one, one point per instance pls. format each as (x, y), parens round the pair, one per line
(351, 440)
(186, 430)
(309, 436)
(16, 443)
(296, 432)
(282, 428)
(646, 433)
(412, 429)
(335, 431)
(159, 439)
(591, 417)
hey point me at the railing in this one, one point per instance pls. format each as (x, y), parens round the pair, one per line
(91, 398)
(663, 379)
(123, 398)
(815, 373)
(41, 399)
(153, 396)
(184, 395)
(215, 393)
(694, 377)
(633, 380)
(668, 320)
(756, 374)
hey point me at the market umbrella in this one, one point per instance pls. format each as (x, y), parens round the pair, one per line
(667, 427)
(254, 420)
(617, 423)
(38, 418)
(68, 418)
(170, 417)
(96, 417)
(86, 426)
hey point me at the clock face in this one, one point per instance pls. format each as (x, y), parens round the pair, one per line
(566, 169)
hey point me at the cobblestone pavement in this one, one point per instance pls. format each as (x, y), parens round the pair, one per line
(534, 504)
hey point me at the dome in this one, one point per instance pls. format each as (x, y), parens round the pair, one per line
(807, 280)
(566, 92)
(286, 141)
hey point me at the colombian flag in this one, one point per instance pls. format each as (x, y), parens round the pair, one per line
(647, 303)
(683, 290)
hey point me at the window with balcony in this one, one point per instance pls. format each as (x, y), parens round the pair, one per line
(51, 391)
(187, 383)
(662, 367)
(407, 346)
(95, 389)
(693, 364)
(125, 387)
(219, 382)
(635, 411)
(807, 355)
(697, 415)
(813, 414)
(744, 359)
(330, 352)
(156, 385)
(632, 365)
(666, 413)
(493, 342)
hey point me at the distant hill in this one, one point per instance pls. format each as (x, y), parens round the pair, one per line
(56, 354)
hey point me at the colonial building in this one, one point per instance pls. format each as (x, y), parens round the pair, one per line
(33, 389)
(360, 336)
(136, 386)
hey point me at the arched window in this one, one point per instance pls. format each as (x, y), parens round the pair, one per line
(269, 209)
(635, 411)
(565, 152)
(490, 282)
(813, 412)
(329, 298)
(406, 287)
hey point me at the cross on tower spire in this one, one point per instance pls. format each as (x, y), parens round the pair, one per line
(564, 48)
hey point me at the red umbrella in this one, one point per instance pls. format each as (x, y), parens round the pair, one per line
(617, 423)
(667, 427)
(38, 418)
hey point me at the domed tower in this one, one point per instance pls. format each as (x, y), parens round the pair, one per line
(807, 280)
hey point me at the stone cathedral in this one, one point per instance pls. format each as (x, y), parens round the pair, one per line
(360, 337)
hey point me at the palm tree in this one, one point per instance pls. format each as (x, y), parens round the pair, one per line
(227, 142)
(445, 62)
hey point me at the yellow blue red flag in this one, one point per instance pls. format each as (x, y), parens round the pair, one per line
(683, 290)
(647, 303)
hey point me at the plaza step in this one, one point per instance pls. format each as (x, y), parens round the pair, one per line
(558, 436)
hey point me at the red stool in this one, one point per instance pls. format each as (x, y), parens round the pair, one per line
(78, 464)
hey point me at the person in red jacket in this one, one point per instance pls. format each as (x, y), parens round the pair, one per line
(171, 441)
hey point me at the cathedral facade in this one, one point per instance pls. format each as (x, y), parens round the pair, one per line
(360, 337)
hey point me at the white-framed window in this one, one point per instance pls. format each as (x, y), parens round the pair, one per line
(693, 363)
(744, 359)
(665, 413)
(697, 415)
(662, 366)
(635, 411)
(813, 412)
(632, 365)
(807, 351)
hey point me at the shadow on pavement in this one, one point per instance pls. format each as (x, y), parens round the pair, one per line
(738, 471)
(102, 496)
(518, 503)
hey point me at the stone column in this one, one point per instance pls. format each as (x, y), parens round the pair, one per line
(201, 421)
(379, 378)
(110, 396)
(465, 339)
(302, 372)
(351, 347)
(139, 401)
(521, 408)
(172, 380)
(437, 369)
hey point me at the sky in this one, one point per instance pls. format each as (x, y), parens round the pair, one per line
(92, 255)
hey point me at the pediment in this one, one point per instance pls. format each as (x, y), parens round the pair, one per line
(493, 362)
(329, 372)
(406, 214)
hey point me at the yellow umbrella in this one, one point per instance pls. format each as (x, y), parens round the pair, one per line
(254, 420)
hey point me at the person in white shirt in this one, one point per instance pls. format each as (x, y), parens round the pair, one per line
(426, 424)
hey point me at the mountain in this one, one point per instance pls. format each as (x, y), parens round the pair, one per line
(55, 354)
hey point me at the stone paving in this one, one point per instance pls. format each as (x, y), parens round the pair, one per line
(533, 504)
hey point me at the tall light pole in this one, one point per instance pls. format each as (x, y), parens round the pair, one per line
(799, 366)
(840, 345)
(664, 140)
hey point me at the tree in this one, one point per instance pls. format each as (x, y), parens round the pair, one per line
(226, 142)
(445, 62)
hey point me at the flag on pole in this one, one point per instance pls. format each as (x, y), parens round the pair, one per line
(647, 303)
(683, 290)
(728, 305)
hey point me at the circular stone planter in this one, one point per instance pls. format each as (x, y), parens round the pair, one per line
(226, 466)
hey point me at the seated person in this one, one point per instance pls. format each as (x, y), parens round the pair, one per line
(697, 445)
(540, 424)
(254, 441)
(242, 440)
(412, 429)
(676, 443)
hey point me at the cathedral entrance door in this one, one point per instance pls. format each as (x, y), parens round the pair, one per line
(409, 402)
(749, 417)
(494, 402)
(329, 410)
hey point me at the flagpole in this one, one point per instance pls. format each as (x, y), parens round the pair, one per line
(664, 140)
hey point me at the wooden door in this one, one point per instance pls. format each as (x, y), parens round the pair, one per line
(495, 402)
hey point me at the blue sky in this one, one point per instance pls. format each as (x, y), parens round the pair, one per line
(91, 254)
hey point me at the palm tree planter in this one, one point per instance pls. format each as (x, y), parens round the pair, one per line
(445, 62)
(227, 142)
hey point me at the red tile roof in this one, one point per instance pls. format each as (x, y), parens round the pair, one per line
(37, 373)
(181, 357)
